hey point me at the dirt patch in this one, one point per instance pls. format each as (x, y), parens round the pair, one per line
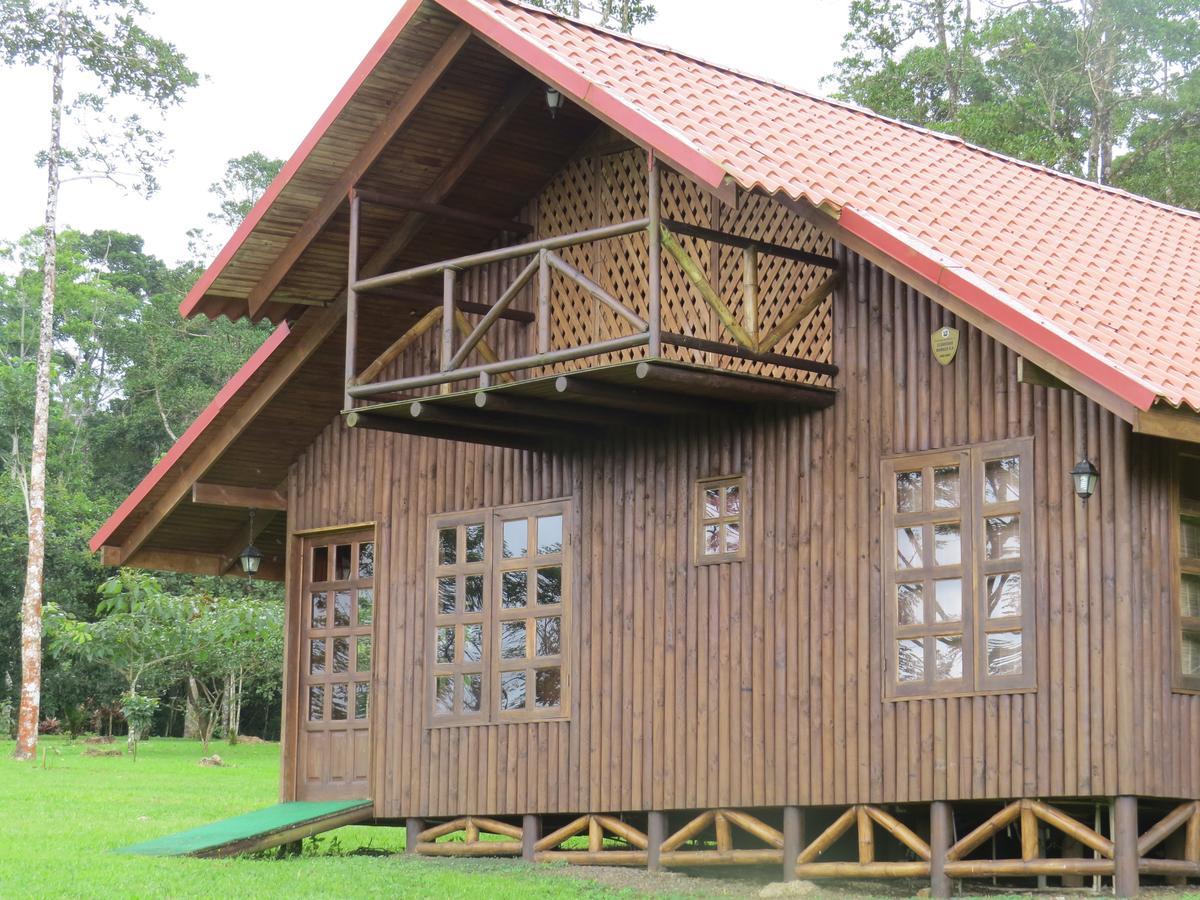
(92, 751)
(213, 761)
(98, 739)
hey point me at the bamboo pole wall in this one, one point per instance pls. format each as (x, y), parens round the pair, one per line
(759, 683)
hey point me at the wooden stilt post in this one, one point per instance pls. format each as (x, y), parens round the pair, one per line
(412, 828)
(448, 280)
(352, 301)
(655, 214)
(531, 833)
(656, 833)
(793, 840)
(941, 838)
(1125, 846)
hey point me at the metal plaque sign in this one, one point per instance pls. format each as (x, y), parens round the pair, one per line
(945, 344)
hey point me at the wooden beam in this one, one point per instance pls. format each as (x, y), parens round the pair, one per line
(241, 535)
(771, 359)
(638, 399)
(442, 414)
(449, 177)
(558, 411)
(445, 213)
(402, 343)
(736, 240)
(799, 312)
(399, 113)
(196, 563)
(427, 300)
(1032, 373)
(714, 385)
(702, 285)
(1176, 424)
(210, 494)
(407, 425)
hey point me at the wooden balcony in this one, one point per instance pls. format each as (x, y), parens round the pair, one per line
(587, 358)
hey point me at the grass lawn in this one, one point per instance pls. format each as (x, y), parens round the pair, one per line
(58, 826)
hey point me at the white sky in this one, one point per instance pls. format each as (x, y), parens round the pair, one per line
(272, 66)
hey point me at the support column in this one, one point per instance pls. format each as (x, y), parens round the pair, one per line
(793, 840)
(352, 301)
(1125, 839)
(531, 833)
(654, 348)
(656, 833)
(941, 836)
(412, 828)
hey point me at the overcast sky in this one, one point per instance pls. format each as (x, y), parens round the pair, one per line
(272, 66)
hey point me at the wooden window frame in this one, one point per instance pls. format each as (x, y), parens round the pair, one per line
(1180, 566)
(724, 518)
(973, 570)
(492, 570)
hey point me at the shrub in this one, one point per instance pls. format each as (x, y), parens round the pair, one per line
(50, 725)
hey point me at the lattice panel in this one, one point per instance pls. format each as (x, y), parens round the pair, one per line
(623, 269)
(684, 310)
(566, 205)
(782, 283)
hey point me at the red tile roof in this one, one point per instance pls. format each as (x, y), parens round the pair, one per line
(1104, 280)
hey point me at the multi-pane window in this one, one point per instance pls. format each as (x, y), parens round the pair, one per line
(957, 602)
(1188, 611)
(337, 628)
(720, 519)
(499, 591)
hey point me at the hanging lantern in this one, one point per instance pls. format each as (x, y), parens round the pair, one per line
(554, 100)
(1084, 476)
(251, 557)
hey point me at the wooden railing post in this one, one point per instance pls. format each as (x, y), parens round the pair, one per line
(655, 234)
(750, 289)
(352, 301)
(449, 277)
(543, 313)
(941, 831)
(793, 840)
(1125, 846)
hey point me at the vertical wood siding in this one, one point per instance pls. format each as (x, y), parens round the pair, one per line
(759, 682)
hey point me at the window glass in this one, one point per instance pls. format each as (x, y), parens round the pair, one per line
(908, 492)
(362, 692)
(339, 702)
(319, 604)
(548, 636)
(514, 589)
(720, 506)
(947, 545)
(512, 690)
(1004, 595)
(341, 655)
(547, 687)
(447, 595)
(947, 593)
(473, 599)
(448, 546)
(908, 548)
(475, 548)
(316, 657)
(366, 605)
(946, 487)
(341, 562)
(1190, 656)
(512, 640)
(362, 654)
(712, 503)
(316, 702)
(516, 538)
(1004, 653)
(366, 560)
(341, 609)
(948, 657)
(1189, 595)
(733, 500)
(445, 644)
(472, 643)
(910, 604)
(444, 694)
(320, 564)
(1189, 537)
(550, 536)
(911, 660)
(549, 585)
(472, 685)
(1002, 480)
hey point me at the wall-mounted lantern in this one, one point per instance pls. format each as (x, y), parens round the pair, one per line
(1084, 476)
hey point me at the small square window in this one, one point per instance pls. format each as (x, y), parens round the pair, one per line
(720, 519)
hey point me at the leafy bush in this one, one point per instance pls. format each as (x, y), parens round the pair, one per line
(139, 713)
(8, 721)
(77, 717)
(50, 725)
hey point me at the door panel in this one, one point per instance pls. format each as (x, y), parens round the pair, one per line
(336, 614)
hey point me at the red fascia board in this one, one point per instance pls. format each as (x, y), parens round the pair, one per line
(190, 437)
(991, 302)
(188, 307)
(591, 96)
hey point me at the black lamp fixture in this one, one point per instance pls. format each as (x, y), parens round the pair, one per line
(251, 557)
(554, 100)
(1084, 476)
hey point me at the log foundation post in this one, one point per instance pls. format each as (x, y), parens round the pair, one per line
(1125, 846)
(531, 833)
(941, 836)
(412, 828)
(656, 833)
(793, 840)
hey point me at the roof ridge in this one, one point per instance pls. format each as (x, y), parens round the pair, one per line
(855, 108)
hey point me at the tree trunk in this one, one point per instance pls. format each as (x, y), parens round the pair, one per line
(191, 711)
(31, 604)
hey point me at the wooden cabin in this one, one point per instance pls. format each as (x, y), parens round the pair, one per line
(669, 468)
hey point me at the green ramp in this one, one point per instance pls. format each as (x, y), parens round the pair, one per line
(259, 830)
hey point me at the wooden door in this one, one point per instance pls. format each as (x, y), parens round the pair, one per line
(336, 615)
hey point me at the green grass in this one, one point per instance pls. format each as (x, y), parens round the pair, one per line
(58, 826)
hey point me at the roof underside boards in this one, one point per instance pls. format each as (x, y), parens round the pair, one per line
(1102, 281)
